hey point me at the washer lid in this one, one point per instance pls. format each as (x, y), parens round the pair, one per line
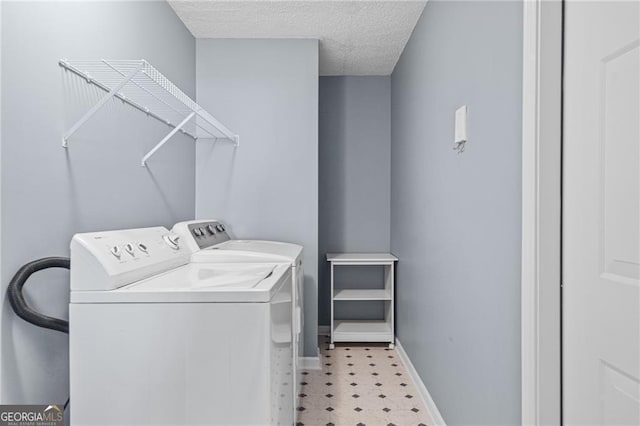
(250, 251)
(198, 282)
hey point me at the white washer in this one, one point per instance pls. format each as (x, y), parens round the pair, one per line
(209, 241)
(157, 340)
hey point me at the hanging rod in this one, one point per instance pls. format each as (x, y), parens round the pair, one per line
(150, 92)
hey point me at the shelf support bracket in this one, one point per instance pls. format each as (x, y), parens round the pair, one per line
(166, 138)
(114, 91)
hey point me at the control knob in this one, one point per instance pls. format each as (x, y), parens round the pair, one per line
(129, 248)
(115, 250)
(172, 241)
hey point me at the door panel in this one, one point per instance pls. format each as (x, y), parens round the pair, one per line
(601, 213)
(619, 144)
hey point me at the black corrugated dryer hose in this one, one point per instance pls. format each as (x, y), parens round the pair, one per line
(19, 305)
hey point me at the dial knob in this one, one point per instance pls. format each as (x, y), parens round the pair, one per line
(220, 228)
(129, 248)
(197, 232)
(115, 250)
(172, 241)
(211, 229)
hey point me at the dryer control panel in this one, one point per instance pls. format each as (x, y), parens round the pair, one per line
(111, 259)
(201, 234)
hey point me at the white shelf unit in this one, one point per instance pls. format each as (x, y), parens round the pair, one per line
(138, 84)
(363, 330)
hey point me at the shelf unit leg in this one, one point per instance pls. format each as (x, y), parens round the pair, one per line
(331, 345)
(100, 104)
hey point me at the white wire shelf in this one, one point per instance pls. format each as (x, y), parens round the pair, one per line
(140, 85)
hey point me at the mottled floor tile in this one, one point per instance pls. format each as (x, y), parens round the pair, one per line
(360, 384)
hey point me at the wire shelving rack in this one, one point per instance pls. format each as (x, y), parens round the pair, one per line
(140, 85)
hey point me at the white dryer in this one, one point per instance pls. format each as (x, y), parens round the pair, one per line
(209, 241)
(157, 340)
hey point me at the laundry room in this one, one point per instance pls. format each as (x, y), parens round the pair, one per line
(308, 161)
(301, 212)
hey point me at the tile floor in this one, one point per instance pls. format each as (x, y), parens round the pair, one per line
(360, 384)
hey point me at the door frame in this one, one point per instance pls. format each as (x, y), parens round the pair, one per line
(2, 301)
(541, 322)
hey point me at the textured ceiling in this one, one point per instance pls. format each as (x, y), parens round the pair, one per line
(357, 37)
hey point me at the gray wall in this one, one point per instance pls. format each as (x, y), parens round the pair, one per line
(455, 219)
(355, 163)
(49, 193)
(267, 92)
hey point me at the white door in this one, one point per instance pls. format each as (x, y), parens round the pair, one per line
(601, 214)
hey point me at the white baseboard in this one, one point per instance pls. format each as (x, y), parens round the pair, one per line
(311, 362)
(324, 330)
(436, 417)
